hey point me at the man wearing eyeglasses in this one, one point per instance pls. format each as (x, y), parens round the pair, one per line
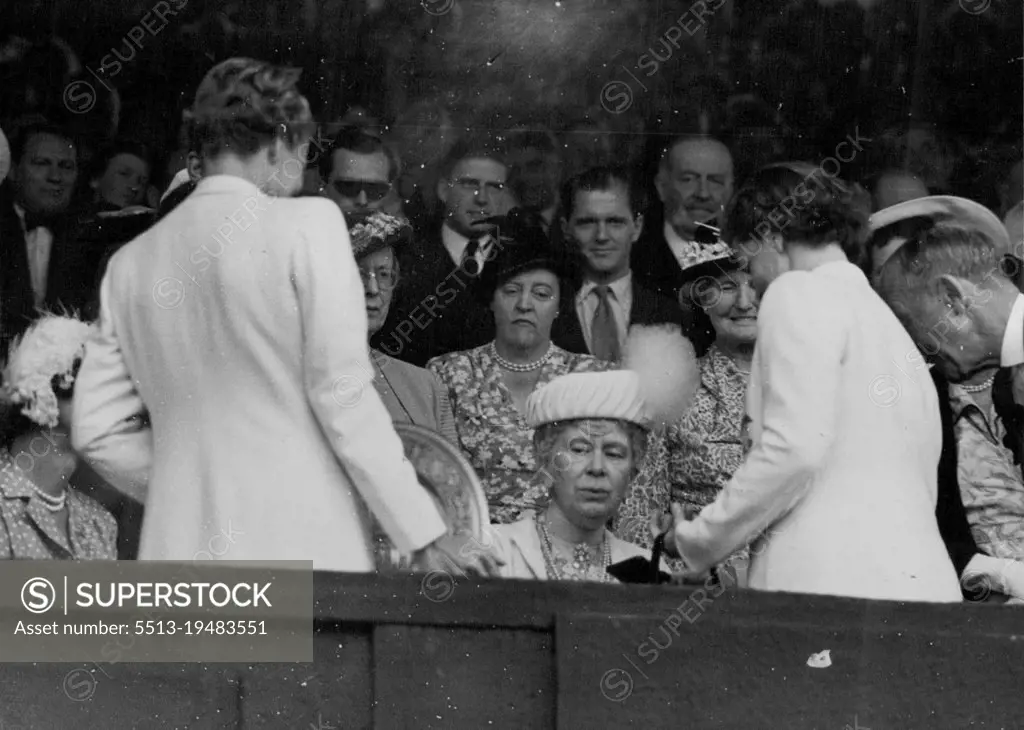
(439, 311)
(359, 171)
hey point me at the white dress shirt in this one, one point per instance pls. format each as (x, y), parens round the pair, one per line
(1013, 338)
(455, 243)
(38, 244)
(620, 299)
(679, 245)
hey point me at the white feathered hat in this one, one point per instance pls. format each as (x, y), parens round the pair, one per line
(50, 349)
(657, 386)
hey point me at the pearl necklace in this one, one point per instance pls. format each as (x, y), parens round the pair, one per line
(517, 367)
(581, 561)
(979, 387)
(53, 504)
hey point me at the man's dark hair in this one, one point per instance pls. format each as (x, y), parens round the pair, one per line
(484, 147)
(21, 137)
(800, 203)
(358, 140)
(603, 178)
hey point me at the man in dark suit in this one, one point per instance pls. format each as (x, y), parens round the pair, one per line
(694, 183)
(438, 311)
(43, 268)
(603, 218)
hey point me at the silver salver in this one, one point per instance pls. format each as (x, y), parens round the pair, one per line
(448, 476)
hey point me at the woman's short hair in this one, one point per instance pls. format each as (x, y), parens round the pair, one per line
(243, 104)
(800, 203)
(545, 437)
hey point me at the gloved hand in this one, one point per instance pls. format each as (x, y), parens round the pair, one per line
(986, 575)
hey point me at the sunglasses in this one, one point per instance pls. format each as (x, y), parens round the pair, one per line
(351, 188)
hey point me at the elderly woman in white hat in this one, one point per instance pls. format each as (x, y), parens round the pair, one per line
(591, 434)
(41, 518)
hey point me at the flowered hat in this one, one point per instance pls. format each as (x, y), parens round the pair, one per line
(41, 363)
(374, 231)
(707, 259)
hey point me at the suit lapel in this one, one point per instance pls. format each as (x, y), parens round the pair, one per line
(639, 313)
(567, 331)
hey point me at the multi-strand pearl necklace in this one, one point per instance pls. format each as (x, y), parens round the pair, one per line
(517, 367)
(979, 387)
(581, 560)
(53, 504)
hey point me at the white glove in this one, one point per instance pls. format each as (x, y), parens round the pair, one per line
(995, 575)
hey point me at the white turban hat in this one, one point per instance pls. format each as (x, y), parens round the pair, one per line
(657, 387)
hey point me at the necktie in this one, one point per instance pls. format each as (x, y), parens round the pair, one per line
(472, 254)
(604, 334)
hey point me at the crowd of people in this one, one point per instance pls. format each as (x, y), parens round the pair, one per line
(793, 381)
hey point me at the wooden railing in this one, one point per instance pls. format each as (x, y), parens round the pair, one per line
(415, 651)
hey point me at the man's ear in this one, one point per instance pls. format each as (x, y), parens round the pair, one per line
(442, 190)
(954, 294)
(639, 221)
(661, 182)
(194, 165)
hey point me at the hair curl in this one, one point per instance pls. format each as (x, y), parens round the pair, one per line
(243, 105)
(801, 204)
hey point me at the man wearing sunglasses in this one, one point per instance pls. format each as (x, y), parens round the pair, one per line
(359, 171)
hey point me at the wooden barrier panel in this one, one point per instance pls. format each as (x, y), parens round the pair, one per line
(394, 652)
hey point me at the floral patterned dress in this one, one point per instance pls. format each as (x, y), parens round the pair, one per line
(493, 433)
(990, 481)
(693, 459)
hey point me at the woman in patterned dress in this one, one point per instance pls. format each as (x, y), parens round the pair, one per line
(488, 386)
(40, 517)
(698, 454)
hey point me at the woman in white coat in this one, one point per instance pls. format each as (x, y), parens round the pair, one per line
(227, 386)
(837, 493)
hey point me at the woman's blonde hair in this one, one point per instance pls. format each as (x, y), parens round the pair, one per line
(243, 104)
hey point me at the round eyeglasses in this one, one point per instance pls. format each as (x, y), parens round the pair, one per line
(386, 279)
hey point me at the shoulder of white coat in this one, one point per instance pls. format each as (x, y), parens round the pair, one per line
(311, 213)
(800, 296)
